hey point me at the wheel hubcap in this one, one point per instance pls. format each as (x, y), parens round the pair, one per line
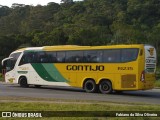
(105, 87)
(89, 86)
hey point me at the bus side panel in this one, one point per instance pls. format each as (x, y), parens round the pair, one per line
(50, 74)
(78, 72)
(125, 76)
(122, 76)
(30, 73)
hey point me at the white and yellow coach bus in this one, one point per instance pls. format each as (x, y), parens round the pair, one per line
(103, 68)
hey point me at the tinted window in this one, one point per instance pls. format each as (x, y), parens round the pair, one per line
(15, 57)
(40, 57)
(74, 56)
(28, 57)
(93, 56)
(110, 56)
(61, 56)
(52, 58)
(8, 64)
(129, 54)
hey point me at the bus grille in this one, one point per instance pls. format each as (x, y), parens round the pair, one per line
(128, 81)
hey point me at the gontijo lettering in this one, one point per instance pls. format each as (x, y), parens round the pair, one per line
(84, 68)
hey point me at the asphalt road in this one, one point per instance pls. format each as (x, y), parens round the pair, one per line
(14, 90)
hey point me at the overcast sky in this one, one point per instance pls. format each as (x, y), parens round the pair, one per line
(28, 2)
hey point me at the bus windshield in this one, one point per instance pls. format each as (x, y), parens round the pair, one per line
(9, 63)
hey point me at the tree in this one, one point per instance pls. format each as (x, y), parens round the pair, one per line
(90, 22)
(154, 36)
(4, 11)
(67, 1)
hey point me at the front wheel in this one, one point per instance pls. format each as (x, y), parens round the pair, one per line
(23, 82)
(105, 87)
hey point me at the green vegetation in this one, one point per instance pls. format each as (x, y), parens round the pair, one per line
(1, 79)
(89, 22)
(77, 106)
(158, 73)
(157, 83)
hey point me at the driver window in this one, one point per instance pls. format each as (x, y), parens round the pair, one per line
(9, 65)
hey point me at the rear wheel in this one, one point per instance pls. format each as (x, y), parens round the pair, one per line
(105, 87)
(23, 82)
(90, 86)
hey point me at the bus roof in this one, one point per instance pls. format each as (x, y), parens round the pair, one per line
(28, 48)
(77, 47)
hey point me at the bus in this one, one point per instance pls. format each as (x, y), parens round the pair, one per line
(93, 68)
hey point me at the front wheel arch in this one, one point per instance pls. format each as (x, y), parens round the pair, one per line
(22, 81)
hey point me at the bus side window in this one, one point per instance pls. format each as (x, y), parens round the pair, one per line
(111, 56)
(74, 57)
(93, 56)
(43, 59)
(27, 57)
(52, 59)
(61, 56)
(23, 59)
(129, 54)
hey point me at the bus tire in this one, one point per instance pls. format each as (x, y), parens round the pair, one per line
(105, 87)
(23, 82)
(90, 86)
